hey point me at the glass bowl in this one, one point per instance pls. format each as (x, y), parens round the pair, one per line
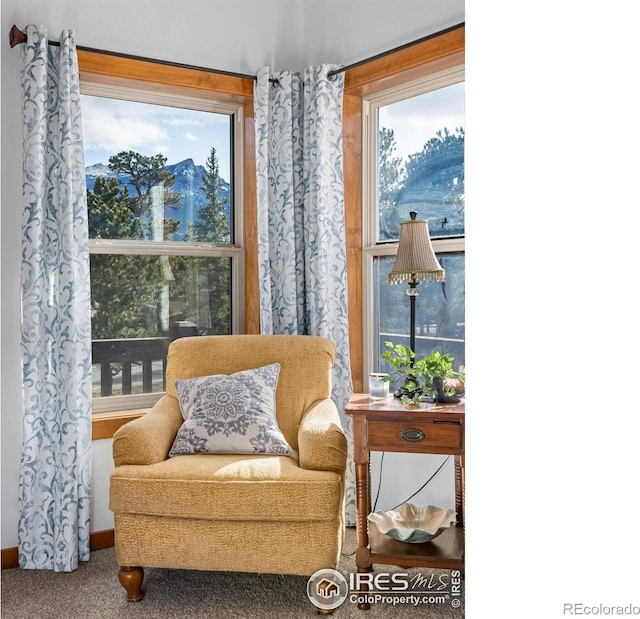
(411, 524)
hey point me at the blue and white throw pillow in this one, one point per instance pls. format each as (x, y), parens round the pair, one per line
(233, 413)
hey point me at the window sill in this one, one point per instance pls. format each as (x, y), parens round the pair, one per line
(104, 425)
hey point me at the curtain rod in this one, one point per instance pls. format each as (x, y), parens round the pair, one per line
(396, 49)
(16, 37)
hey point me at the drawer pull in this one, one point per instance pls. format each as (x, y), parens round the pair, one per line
(413, 435)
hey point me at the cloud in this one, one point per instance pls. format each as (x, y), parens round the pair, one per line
(182, 121)
(124, 127)
(114, 125)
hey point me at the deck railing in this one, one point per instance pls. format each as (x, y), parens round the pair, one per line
(127, 353)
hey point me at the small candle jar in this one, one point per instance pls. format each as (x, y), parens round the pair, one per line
(378, 385)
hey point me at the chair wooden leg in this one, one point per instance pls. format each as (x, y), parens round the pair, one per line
(131, 579)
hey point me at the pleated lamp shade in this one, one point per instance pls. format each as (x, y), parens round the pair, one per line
(415, 259)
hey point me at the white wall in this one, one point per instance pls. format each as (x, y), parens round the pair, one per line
(239, 36)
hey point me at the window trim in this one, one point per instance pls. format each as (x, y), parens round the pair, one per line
(370, 128)
(440, 246)
(372, 248)
(233, 251)
(105, 425)
(394, 69)
(179, 82)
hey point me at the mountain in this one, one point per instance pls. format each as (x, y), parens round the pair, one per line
(98, 169)
(188, 183)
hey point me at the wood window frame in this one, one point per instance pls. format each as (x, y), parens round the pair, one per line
(125, 71)
(408, 64)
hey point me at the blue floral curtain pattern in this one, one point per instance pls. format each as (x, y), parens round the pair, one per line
(56, 322)
(301, 237)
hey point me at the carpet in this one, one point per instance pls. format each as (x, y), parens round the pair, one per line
(93, 591)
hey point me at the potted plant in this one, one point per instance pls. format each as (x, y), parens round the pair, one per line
(432, 376)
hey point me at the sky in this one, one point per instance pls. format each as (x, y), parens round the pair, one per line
(416, 120)
(114, 125)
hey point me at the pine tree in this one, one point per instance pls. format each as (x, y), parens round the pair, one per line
(390, 179)
(438, 170)
(110, 216)
(129, 293)
(124, 289)
(212, 225)
(144, 174)
(208, 291)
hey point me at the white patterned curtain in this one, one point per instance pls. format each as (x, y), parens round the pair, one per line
(301, 238)
(56, 322)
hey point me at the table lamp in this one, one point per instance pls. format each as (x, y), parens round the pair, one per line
(415, 262)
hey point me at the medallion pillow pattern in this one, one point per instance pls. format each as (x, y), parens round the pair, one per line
(230, 414)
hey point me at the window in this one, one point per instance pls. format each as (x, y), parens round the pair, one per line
(163, 196)
(414, 161)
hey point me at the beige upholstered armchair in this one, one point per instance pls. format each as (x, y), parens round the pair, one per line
(185, 496)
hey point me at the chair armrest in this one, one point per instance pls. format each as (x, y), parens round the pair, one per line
(322, 444)
(148, 439)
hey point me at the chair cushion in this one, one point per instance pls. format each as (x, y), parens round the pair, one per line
(227, 487)
(230, 414)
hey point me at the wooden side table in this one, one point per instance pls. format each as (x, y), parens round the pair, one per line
(386, 425)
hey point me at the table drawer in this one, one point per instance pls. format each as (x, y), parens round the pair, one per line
(410, 436)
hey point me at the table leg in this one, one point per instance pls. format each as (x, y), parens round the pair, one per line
(459, 481)
(363, 506)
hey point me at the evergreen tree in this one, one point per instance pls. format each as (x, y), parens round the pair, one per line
(439, 156)
(432, 184)
(124, 289)
(144, 173)
(390, 179)
(124, 296)
(207, 281)
(139, 296)
(438, 170)
(212, 225)
(110, 216)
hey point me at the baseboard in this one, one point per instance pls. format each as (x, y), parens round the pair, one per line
(98, 540)
(9, 558)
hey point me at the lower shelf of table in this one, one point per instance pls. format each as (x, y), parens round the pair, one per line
(444, 552)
